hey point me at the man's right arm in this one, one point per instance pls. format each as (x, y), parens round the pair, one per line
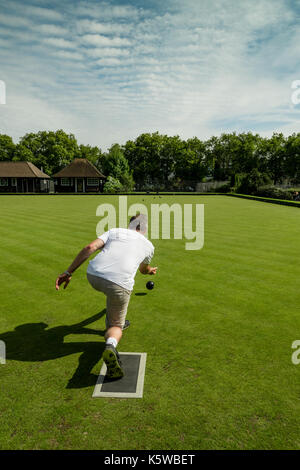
(83, 255)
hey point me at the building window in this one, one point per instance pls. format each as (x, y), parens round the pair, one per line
(14, 181)
(65, 182)
(3, 181)
(93, 182)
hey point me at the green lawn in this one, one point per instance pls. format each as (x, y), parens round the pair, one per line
(217, 329)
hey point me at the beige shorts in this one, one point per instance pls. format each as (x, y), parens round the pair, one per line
(117, 300)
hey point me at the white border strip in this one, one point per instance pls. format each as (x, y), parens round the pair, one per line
(139, 386)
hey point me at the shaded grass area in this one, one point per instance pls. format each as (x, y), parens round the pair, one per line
(217, 329)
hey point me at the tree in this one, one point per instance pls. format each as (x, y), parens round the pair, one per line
(172, 150)
(292, 158)
(218, 157)
(192, 162)
(245, 152)
(231, 154)
(249, 183)
(274, 152)
(93, 154)
(115, 165)
(157, 161)
(22, 153)
(112, 185)
(7, 147)
(144, 158)
(51, 150)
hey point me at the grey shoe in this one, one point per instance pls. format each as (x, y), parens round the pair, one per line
(126, 325)
(113, 363)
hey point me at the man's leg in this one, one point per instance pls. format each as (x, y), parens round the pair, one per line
(114, 332)
(117, 300)
(111, 356)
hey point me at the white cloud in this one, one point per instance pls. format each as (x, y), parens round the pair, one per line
(51, 29)
(107, 52)
(46, 13)
(106, 11)
(6, 43)
(265, 13)
(88, 26)
(22, 109)
(18, 35)
(59, 42)
(99, 40)
(109, 62)
(33, 11)
(15, 21)
(198, 69)
(69, 55)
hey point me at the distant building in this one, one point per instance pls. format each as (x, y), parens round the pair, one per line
(81, 176)
(22, 177)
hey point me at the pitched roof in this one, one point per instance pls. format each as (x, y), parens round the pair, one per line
(20, 170)
(80, 167)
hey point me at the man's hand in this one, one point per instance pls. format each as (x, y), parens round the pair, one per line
(152, 270)
(147, 269)
(63, 278)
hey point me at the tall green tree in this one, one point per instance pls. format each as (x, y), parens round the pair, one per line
(273, 150)
(172, 150)
(7, 147)
(93, 154)
(292, 158)
(144, 158)
(115, 165)
(218, 157)
(246, 155)
(51, 150)
(195, 159)
(23, 153)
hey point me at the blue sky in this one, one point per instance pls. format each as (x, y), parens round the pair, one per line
(109, 70)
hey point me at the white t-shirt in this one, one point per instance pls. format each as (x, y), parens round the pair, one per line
(119, 259)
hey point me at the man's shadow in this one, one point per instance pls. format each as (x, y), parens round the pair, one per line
(33, 343)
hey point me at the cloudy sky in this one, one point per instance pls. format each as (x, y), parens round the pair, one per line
(109, 70)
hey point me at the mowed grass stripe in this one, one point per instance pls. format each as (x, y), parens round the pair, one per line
(46, 225)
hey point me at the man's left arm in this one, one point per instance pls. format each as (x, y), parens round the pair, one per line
(82, 256)
(145, 267)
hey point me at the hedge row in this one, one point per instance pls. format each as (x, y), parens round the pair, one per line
(282, 202)
(190, 193)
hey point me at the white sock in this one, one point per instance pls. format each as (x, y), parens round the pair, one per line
(112, 341)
